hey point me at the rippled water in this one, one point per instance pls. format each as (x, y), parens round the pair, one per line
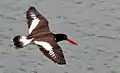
(94, 24)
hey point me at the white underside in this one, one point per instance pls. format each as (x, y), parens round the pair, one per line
(34, 22)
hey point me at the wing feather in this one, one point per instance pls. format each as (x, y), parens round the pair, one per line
(39, 30)
(36, 21)
(54, 53)
(57, 55)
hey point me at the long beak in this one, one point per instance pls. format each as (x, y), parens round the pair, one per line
(72, 42)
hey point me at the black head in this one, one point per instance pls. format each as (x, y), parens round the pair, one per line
(60, 37)
(17, 42)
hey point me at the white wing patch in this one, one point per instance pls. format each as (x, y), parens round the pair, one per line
(34, 22)
(46, 46)
(52, 54)
(25, 41)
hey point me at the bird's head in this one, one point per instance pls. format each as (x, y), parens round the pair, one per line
(61, 37)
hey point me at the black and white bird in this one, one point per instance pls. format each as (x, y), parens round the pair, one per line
(40, 34)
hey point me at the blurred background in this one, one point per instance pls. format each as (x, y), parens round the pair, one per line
(93, 24)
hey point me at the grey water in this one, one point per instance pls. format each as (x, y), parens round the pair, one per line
(93, 24)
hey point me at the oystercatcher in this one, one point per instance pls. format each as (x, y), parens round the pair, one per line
(40, 34)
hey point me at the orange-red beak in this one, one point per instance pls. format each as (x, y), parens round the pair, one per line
(72, 42)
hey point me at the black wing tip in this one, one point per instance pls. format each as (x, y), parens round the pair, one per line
(62, 63)
(31, 7)
(33, 10)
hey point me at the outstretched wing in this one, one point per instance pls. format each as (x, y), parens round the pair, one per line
(39, 30)
(36, 21)
(52, 50)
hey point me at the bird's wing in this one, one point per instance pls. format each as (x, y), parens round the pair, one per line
(52, 50)
(36, 21)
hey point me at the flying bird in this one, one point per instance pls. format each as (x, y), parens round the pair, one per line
(40, 34)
